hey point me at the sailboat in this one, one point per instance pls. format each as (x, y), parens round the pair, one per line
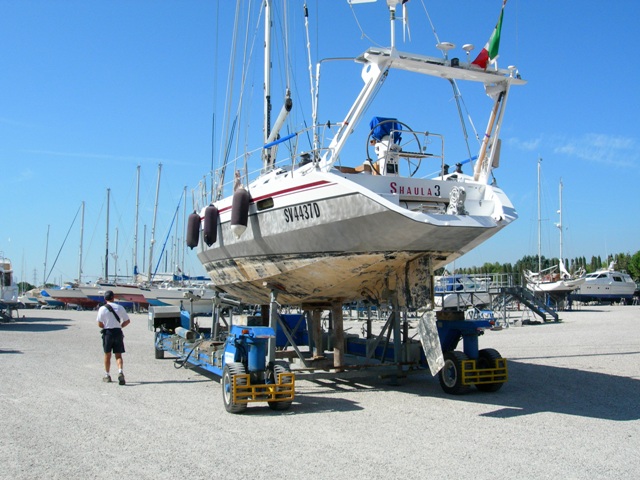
(70, 295)
(556, 279)
(317, 225)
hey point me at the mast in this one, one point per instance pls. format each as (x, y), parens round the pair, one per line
(392, 4)
(115, 258)
(184, 229)
(267, 80)
(559, 224)
(46, 252)
(135, 230)
(144, 246)
(106, 255)
(80, 250)
(153, 227)
(539, 221)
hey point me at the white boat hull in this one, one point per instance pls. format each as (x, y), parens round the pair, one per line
(329, 239)
(559, 286)
(461, 301)
(71, 296)
(200, 303)
(8, 287)
(606, 285)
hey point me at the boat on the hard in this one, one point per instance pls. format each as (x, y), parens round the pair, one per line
(606, 285)
(70, 295)
(31, 299)
(461, 291)
(555, 280)
(128, 295)
(8, 288)
(197, 299)
(316, 224)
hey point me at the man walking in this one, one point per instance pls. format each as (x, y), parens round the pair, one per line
(112, 318)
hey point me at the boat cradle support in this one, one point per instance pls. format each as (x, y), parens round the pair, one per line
(393, 352)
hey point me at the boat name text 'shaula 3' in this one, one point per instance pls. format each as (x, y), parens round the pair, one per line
(416, 191)
(301, 212)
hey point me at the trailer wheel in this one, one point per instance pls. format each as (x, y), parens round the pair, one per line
(451, 373)
(277, 369)
(230, 370)
(487, 359)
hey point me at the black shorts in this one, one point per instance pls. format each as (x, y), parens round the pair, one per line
(113, 340)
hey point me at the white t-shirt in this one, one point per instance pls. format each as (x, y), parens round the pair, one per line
(108, 319)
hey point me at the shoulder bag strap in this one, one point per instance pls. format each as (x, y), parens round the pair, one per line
(110, 308)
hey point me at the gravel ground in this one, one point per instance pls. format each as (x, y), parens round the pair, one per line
(571, 409)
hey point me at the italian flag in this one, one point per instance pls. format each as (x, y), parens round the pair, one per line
(490, 50)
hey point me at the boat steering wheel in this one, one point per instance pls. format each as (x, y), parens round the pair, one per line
(410, 143)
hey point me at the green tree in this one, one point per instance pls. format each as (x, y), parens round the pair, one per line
(25, 286)
(634, 266)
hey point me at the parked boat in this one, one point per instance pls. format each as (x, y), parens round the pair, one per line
(195, 299)
(51, 302)
(30, 299)
(606, 285)
(316, 224)
(460, 292)
(71, 296)
(555, 280)
(123, 294)
(8, 288)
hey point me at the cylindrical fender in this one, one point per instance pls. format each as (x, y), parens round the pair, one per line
(210, 228)
(240, 212)
(193, 230)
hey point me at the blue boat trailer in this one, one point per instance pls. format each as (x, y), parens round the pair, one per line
(240, 360)
(244, 356)
(458, 370)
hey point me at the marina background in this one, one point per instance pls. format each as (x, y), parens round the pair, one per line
(92, 90)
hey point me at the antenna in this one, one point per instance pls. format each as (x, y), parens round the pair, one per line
(392, 19)
(444, 47)
(468, 47)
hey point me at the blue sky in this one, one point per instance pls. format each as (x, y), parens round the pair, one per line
(91, 90)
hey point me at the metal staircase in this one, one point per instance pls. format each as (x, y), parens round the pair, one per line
(527, 298)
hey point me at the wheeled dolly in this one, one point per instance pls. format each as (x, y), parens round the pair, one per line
(486, 369)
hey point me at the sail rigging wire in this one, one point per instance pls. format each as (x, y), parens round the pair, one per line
(214, 106)
(456, 92)
(93, 234)
(246, 67)
(285, 30)
(164, 245)
(309, 64)
(229, 93)
(362, 32)
(230, 125)
(286, 67)
(227, 107)
(62, 246)
(236, 137)
(247, 56)
(310, 135)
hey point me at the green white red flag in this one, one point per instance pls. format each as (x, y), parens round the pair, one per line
(490, 50)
